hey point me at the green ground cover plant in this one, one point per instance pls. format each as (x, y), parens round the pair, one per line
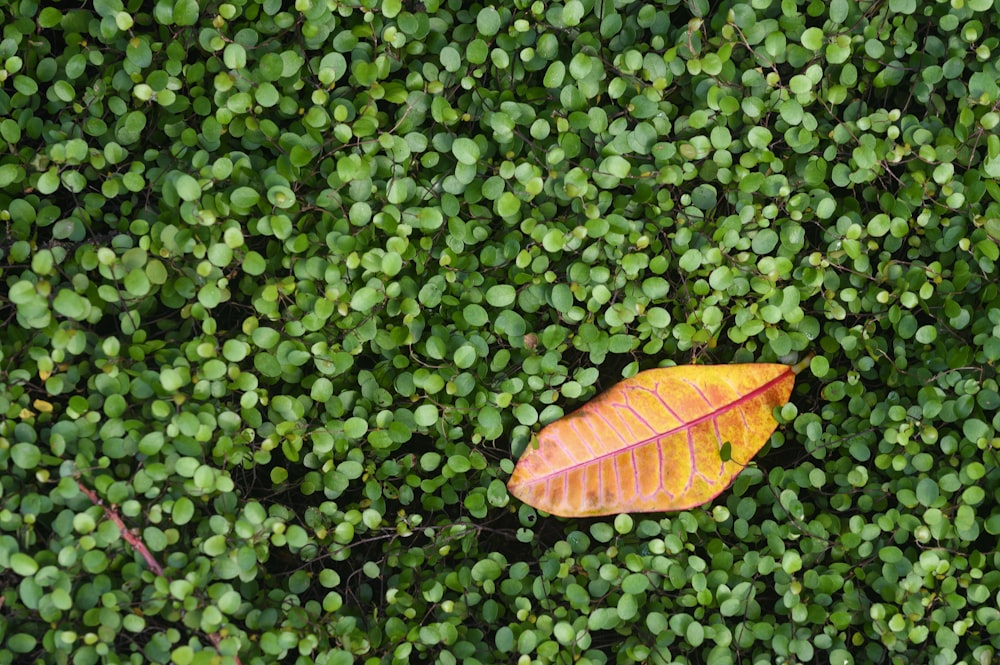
(286, 288)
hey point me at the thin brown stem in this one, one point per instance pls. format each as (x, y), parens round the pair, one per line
(111, 512)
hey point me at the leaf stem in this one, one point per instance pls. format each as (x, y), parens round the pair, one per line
(111, 512)
(802, 364)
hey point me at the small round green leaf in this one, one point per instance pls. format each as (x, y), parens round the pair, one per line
(25, 455)
(466, 150)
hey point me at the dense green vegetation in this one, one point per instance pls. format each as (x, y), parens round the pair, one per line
(287, 288)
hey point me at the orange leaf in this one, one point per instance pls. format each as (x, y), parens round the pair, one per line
(653, 442)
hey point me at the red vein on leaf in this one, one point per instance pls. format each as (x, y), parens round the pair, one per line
(580, 437)
(618, 478)
(659, 471)
(714, 411)
(600, 480)
(566, 451)
(666, 405)
(611, 425)
(635, 472)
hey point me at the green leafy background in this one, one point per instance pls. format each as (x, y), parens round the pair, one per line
(289, 286)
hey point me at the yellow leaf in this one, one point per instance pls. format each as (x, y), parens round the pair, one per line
(654, 442)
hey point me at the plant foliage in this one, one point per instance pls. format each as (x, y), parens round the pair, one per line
(287, 286)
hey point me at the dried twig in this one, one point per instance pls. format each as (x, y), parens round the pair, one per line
(132, 539)
(112, 514)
